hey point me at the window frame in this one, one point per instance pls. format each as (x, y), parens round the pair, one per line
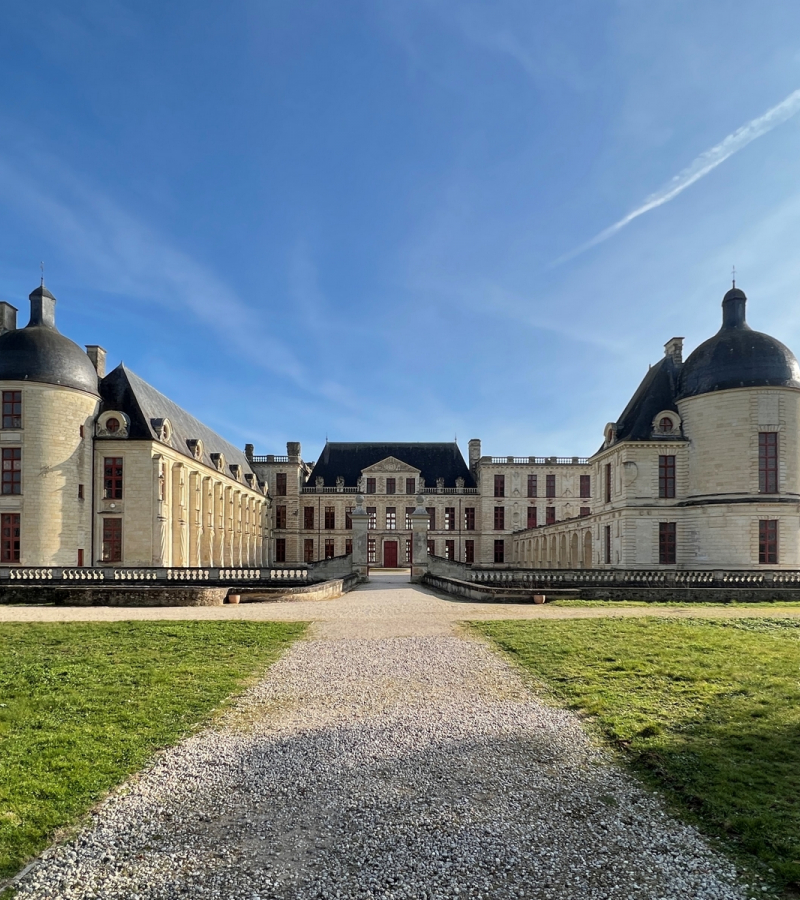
(112, 543)
(532, 517)
(372, 518)
(550, 515)
(768, 446)
(550, 486)
(667, 543)
(449, 518)
(469, 551)
(666, 476)
(391, 518)
(281, 517)
(411, 485)
(280, 550)
(280, 484)
(113, 477)
(533, 485)
(768, 542)
(372, 486)
(469, 518)
(308, 518)
(585, 487)
(12, 419)
(330, 518)
(10, 544)
(12, 471)
(499, 485)
(499, 550)
(499, 518)
(391, 485)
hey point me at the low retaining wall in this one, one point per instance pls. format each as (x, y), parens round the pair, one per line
(115, 595)
(484, 593)
(498, 593)
(327, 590)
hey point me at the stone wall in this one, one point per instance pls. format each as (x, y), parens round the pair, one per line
(115, 595)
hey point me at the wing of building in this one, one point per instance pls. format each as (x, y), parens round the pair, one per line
(700, 471)
(105, 470)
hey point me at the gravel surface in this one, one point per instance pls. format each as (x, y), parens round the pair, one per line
(413, 766)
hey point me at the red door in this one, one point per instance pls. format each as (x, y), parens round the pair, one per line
(390, 554)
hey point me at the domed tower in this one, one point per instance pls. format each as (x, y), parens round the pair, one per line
(739, 399)
(49, 402)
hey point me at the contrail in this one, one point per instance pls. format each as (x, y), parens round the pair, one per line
(701, 166)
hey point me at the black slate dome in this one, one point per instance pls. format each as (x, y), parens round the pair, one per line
(39, 352)
(737, 356)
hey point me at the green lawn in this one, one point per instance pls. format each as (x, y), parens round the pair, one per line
(774, 605)
(708, 710)
(84, 705)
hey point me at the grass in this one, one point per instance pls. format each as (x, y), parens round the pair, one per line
(707, 710)
(84, 705)
(776, 605)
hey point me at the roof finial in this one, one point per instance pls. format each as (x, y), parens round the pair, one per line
(733, 276)
(41, 266)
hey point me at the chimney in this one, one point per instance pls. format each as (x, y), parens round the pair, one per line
(674, 348)
(8, 317)
(43, 308)
(293, 450)
(98, 357)
(474, 453)
(249, 450)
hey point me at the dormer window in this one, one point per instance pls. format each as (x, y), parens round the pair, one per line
(236, 471)
(195, 447)
(218, 459)
(666, 425)
(112, 425)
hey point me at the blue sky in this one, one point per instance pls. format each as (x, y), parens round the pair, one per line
(360, 219)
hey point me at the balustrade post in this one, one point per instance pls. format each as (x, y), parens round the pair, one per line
(420, 521)
(360, 521)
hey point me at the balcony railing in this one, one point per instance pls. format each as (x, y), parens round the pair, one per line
(146, 575)
(539, 460)
(269, 458)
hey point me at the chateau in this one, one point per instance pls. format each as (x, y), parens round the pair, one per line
(701, 471)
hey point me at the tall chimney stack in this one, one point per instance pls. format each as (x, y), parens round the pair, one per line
(8, 317)
(474, 454)
(98, 357)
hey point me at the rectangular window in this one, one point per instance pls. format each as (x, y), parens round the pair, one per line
(550, 486)
(768, 542)
(469, 551)
(371, 486)
(80, 492)
(499, 485)
(280, 484)
(391, 518)
(330, 518)
(431, 548)
(372, 518)
(585, 511)
(469, 518)
(499, 518)
(768, 462)
(608, 545)
(112, 540)
(431, 510)
(499, 551)
(280, 517)
(308, 518)
(550, 515)
(372, 553)
(409, 551)
(450, 518)
(12, 409)
(348, 518)
(608, 482)
(308, 550)
(666, 543)
(666, 476)
(586, 485)
(80, 558)
(280, 549)
(533, 486)
(531, 517)
(12, 470)
(348, 547)
(112, 477)
(391, 485)
(9, 526)
(411, 485)
(449, 549)
(409, 523)
(330, 549)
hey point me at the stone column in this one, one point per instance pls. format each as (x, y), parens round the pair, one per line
(360, 521)
(161, 524)
(419, 548)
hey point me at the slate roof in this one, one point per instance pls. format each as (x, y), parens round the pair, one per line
(736, 356)
(657, 392)
(434, 460)
(39, 352)
(123, 390)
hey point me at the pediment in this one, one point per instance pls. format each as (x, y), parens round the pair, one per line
(390, 464)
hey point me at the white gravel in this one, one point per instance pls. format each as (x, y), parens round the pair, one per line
(391, 767)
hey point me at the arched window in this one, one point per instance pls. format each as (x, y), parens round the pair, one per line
(665, 425)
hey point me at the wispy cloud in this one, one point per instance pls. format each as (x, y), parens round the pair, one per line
(130, 258)
(698, 168)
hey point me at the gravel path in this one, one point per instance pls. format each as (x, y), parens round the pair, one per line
(385, 757)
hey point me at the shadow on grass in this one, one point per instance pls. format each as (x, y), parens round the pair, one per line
(709, 711)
